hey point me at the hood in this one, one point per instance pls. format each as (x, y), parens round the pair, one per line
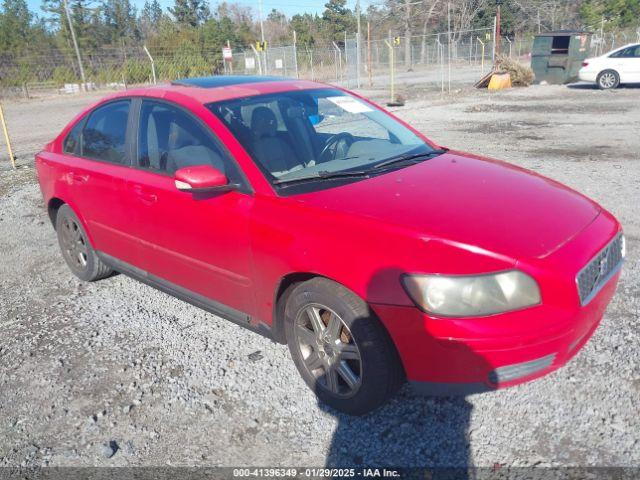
(475, 201)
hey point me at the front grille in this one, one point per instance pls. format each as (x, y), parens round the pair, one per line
(519, 370)
(600, 269)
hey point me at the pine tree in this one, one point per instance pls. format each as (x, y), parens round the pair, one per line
(87, 23)
(152, 12)
(190, 13)
(337, 19)
(119, 20)
(15, 26)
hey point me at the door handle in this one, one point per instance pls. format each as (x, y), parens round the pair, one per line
(147, 198)
(77, 178)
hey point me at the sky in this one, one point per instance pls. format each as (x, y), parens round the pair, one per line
(289, 7)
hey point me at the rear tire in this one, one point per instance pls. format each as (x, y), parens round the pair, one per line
(76, 249)
(340, 348)
(608, 79)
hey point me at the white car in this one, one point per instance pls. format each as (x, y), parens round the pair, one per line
(613, 68)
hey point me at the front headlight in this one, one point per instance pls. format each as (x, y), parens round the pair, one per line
(472, 295)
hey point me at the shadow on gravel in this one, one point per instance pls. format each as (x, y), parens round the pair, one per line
(593, 86)
(411, 430)
(407, 432)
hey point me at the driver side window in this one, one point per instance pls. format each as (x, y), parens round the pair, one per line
(170, 139)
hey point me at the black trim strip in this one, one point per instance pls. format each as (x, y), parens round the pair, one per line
(200, 301)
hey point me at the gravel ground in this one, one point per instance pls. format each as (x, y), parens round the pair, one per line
(116, 373)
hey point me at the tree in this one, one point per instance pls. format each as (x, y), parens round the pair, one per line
(307, 28)
(216, 32)
(150, 17)
(614, 13)
(190, 13)
(337, 19)
(87, 24)
(119, 18)
(15, 26)
(242, 19)
(277, 28)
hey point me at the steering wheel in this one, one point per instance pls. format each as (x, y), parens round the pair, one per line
(333, 143)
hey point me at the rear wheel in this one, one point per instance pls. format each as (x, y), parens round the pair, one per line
(340, 348)
(76, 249)
(608, 79)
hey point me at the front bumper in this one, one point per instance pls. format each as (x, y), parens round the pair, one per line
(451, 366)
(448, 356)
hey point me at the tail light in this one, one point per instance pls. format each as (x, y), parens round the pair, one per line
(585, 64)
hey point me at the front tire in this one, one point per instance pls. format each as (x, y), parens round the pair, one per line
(608, 79)
(340, 348)
(80, 256)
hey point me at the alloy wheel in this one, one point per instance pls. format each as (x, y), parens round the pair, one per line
(74, 244)
(328, 350)
(607, 80)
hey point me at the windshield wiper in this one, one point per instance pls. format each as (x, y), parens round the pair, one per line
(323, 175)
(406, 158)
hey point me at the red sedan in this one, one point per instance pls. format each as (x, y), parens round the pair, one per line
(314, 217)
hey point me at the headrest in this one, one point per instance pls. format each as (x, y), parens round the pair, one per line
(263, 122)
(179, 137)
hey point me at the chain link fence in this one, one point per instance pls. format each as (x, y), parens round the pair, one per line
(347, 62)
(439, 61)
(602, 42)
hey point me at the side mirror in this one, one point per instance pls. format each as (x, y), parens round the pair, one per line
(201, 178)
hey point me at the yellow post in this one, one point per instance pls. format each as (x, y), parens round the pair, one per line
(6, 137)
(482, 43)
(391, 71)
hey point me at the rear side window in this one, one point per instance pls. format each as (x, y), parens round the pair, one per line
(104, 134)
(73, 142)
(170, 139)
(630, 52)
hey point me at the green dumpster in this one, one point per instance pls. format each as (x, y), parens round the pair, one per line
(558, 56)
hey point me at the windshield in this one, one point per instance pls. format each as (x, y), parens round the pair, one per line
(315, 133)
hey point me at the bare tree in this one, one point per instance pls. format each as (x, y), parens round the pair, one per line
(547, 15)
(463, 13)
(430, 9)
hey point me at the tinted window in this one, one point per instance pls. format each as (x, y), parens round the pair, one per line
(630, 52)
(73, 142)
(169, 139)
(103, 137)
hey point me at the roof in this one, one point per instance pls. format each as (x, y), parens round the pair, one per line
(562, 33)
(225, 80)
(218, 88)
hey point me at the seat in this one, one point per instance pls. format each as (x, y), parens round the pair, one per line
(270, 150)
(186, 151)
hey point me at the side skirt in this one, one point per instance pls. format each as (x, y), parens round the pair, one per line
(200, 301)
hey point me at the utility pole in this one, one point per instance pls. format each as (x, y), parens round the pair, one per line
(295, 52)
(498, 3)
(369, 53)
(449, 43)
(407, 35)
(358, 40)
(264, 52)
(75, 45)
(261, 22)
